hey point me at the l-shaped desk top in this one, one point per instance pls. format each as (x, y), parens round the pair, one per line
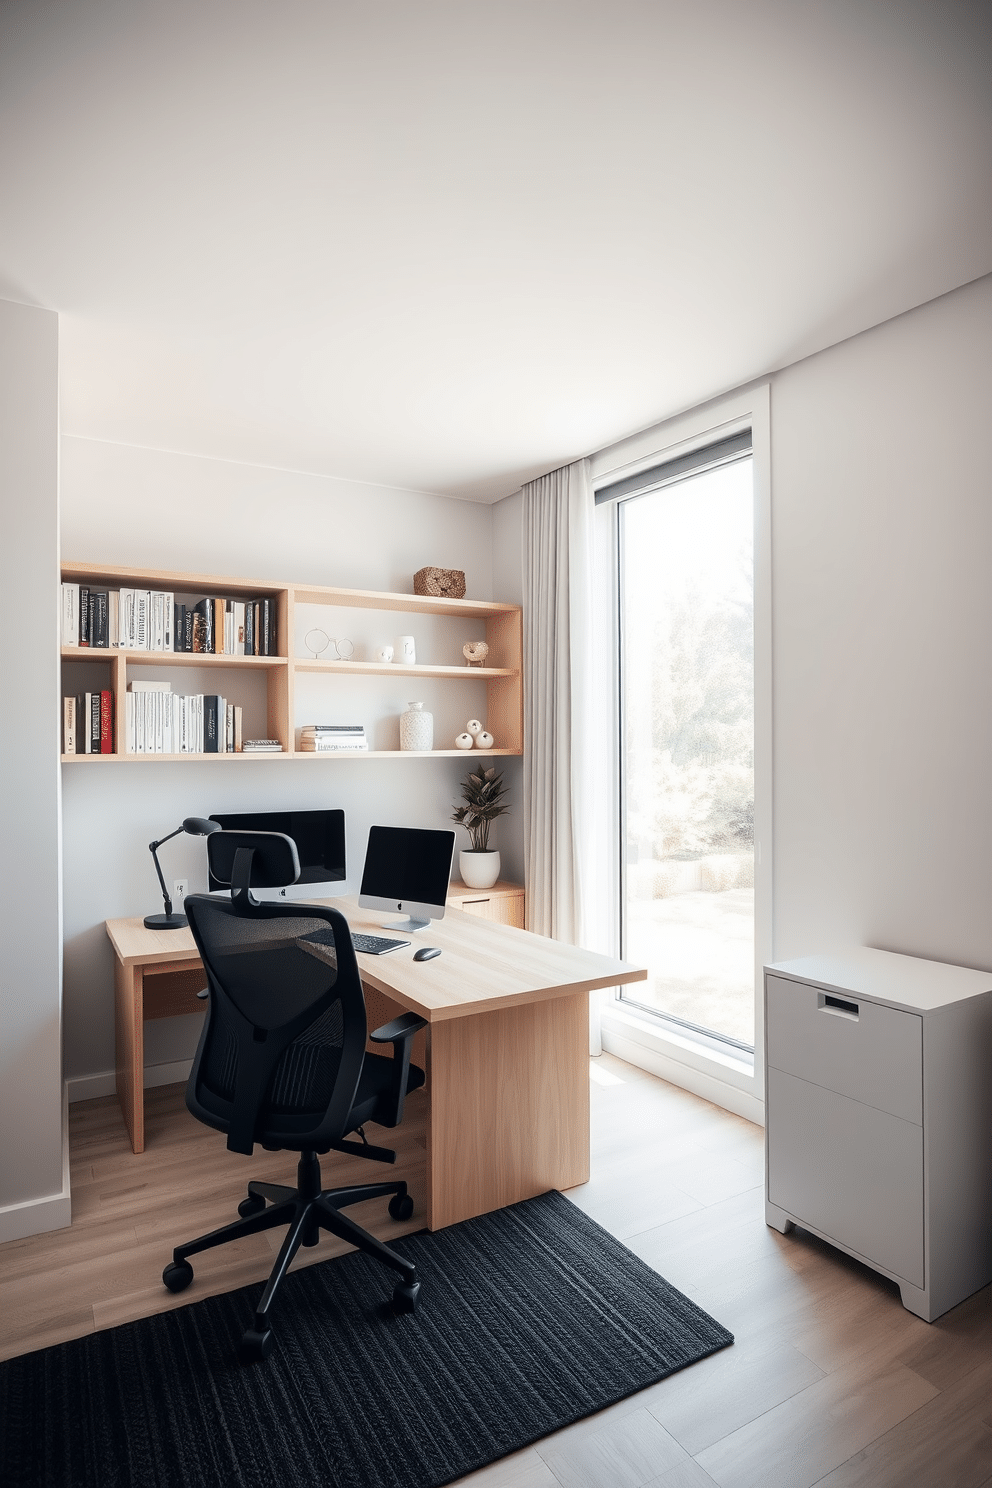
(507, 1050)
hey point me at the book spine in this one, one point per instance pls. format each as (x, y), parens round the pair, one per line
(168, 620)
(94, 722)
(114, 618)
(266, 626)
(84, 616)
(210, 731)
(69, 725)
(188, 618)
(70, 615)
(218, 624)
(239, 628)
(249, 629)
(106, 722)
(142, 606)
(100, 611)
(238, 730)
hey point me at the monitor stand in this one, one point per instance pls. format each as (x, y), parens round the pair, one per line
(408, 924)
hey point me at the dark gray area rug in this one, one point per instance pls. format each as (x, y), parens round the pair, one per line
(530, 1318)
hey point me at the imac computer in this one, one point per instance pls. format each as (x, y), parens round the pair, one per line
(319, 838)
(408, 869)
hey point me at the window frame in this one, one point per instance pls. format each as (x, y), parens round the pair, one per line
(710, 1067)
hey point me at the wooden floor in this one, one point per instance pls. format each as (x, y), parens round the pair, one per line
(830, 1382)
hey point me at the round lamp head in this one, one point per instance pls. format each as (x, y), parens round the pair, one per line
(200, 826)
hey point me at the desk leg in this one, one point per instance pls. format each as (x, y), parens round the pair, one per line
(129, 1023)
(509, 1107)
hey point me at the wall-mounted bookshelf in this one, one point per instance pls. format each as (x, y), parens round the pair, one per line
(266, 685)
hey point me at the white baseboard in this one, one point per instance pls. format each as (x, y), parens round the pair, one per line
(90, 1087)
(51, 1211)
(718, 1092)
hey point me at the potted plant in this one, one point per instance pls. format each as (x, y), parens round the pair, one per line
(483, 792)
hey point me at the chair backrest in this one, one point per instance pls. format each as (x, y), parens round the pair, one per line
(283, 1044)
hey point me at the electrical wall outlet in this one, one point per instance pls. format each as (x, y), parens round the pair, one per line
(180, 888)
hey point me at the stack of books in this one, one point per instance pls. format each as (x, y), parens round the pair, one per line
(88, 723)
(261, 746)
(151, 620)
(157, 721)
(332, 738)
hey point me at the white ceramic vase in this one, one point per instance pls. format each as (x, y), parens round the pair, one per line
(416, 728)
(479, 870)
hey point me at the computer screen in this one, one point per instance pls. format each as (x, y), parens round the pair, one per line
(319, 838)
(407, 868)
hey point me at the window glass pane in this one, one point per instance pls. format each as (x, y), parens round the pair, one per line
(687, 668)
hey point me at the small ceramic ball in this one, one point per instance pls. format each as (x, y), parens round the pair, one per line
(464, 741)
(484, 740)
(475, 650)
(474, 726)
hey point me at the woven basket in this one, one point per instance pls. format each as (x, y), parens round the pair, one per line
(440, 583)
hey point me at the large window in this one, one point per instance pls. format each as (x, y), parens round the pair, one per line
(686, 587)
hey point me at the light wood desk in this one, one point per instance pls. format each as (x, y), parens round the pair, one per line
(506, 1049)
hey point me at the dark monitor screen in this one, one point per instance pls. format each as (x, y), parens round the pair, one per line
(319, 838)
(407, 867)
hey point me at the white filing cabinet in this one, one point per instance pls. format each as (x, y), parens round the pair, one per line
(878, 1118)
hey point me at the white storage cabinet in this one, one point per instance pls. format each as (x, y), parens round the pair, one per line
(879, 1116)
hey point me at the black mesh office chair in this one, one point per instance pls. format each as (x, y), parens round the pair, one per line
(282, 1062)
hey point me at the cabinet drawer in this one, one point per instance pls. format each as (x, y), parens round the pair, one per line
(852, 1172)
(871, 1053)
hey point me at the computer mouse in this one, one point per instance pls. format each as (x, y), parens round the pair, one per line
(427, 953)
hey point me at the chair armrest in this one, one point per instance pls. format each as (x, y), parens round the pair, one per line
(204, 994)
(403, 1027)
(399, 1033)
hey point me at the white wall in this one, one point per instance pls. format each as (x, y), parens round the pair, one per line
(882, 535)
(33, 1189)
(143, 507)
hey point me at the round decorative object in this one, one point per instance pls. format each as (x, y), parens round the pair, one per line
(406, 650)
(416, 728)
(464, 741)
(484, 740)
(316, 641)
(479, 870)
(475, 652)
(444, 583)
(383, 653)
(345, 649)
(474, 727)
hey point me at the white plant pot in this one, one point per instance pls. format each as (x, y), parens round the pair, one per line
(479, 870)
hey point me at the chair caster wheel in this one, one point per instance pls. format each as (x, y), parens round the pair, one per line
(256, 1346)
(401, 1206)
(253, 1204)
(406, 1295)
(178, 1275)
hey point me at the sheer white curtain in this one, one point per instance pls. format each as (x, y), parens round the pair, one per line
(559, 777)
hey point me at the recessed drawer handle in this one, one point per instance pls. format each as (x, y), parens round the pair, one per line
(837, 1006)
(475, 901)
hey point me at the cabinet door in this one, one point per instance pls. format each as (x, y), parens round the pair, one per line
(872, 1053)
(852, 1172)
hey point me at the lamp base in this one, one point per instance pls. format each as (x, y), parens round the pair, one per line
(166, 922)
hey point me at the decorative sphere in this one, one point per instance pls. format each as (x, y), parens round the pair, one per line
(474, 726)
(464, 741)
(484, 740)
(475, 650)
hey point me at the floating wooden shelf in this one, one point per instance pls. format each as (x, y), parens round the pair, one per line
(503, 679)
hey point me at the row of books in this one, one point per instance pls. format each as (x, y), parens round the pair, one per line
(332, 738)
(159, 721)
(88, 723)
(151, 620)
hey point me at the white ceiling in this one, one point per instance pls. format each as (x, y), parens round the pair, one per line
(450, 245)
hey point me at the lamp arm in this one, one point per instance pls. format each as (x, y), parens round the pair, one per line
(153, 848)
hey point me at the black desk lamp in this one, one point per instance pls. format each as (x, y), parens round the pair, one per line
(196, 826)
